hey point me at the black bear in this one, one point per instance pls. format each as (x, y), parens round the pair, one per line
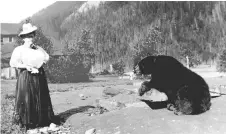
(187, 92)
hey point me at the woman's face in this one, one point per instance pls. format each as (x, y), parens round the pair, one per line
(29, 36)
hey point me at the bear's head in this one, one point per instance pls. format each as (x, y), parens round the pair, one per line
(143, 88)
(145, 66)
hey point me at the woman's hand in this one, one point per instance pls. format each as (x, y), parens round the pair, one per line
(29, 68)
(34, 71)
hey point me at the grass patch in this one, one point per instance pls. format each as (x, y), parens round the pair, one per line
(7, 111)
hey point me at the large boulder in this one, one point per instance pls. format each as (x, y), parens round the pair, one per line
(109, 91)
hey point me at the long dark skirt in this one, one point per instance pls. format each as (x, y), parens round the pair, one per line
(33, 105)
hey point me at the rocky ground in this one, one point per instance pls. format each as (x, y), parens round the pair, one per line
(125, 114)
(109, 105)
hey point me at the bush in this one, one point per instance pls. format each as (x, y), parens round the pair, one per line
(3, 77)
(221, 62)
(66, 69)
(105, 72)
(119, 67)
(194, 62)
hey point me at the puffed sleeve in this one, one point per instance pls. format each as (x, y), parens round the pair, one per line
(46, 59)
(15, 59)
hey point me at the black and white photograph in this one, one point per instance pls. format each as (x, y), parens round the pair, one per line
(113, 67)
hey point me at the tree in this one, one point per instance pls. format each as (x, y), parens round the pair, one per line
(84, 49)
(221, 65)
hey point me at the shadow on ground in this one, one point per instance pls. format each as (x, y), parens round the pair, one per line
(62, 117)
(155, 105)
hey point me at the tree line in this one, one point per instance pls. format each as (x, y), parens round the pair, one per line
(131, 30)
(121, 33)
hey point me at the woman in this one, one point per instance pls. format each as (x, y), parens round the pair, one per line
(33, 105)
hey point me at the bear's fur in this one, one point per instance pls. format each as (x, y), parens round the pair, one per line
(187, 92)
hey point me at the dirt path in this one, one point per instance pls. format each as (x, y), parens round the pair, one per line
(143, 120)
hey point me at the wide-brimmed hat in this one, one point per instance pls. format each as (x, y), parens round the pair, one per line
(27, 28)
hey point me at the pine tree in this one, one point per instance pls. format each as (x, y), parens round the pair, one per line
(221, 65)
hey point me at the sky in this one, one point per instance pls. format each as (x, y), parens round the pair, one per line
(14, 11)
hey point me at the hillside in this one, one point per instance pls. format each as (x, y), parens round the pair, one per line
(82, 9)
(118, 30)
(51, 17)
(128, 31)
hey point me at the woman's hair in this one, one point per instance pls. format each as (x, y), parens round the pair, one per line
(32, 34)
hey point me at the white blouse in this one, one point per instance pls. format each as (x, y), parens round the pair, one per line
(28, 56)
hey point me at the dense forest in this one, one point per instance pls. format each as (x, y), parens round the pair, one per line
(129, 30)
(126, 31)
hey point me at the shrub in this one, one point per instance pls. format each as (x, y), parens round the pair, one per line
(65, 69)
(221, 62)
(194, 62)
(104, 72)
(119, 67)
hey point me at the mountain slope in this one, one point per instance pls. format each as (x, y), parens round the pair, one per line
(51, 18)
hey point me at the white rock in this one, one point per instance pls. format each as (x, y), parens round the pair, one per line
(81, 95)
(32, 131)
(91, 131)
(158, 96)
(44, 130)
(154, 95)
(215, 92)
(53, 127)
